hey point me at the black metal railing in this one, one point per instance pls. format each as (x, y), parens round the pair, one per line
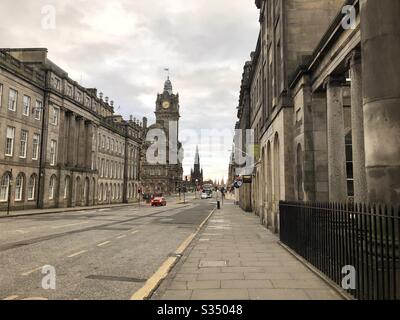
(332, 236)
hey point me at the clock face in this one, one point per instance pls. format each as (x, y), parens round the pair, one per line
(165, 104)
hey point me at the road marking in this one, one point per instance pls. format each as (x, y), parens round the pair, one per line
(120, 237)
(69, 225)
(134, 232)
(77, 254)
(21, 231)
(32, 271)
(102, 210)
(104, 243)
(150, 286)
(11, 298)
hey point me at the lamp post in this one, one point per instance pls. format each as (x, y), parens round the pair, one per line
(9, 192)
(195, 190)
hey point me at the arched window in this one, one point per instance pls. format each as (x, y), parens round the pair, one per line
(32, 187)
(66, 187)
(52, 186)
(101, 192)
(19, 187)
(4, 185)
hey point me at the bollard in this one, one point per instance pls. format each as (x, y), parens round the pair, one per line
(218, 205)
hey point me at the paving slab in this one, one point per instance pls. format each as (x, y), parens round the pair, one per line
(244, 261)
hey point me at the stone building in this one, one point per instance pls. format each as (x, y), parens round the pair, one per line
(54, 131)
(162, 170)
(329, 93)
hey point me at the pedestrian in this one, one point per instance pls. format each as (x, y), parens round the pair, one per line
(218, 196)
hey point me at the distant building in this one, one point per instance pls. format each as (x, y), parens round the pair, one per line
(197, 173)
(166, 175)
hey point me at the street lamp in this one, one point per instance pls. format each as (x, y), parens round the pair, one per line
(195, 190)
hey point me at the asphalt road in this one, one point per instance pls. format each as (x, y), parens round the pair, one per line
(98, 254)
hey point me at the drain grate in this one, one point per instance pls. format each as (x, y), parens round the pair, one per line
(115, 278)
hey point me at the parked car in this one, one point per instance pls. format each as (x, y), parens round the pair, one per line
(204, 195)
(158, 201)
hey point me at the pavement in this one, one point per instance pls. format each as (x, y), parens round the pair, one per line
(100, 253)
(235, 258)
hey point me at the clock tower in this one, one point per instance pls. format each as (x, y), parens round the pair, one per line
(165, 177)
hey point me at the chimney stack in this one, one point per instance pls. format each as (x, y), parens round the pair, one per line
(101, 95)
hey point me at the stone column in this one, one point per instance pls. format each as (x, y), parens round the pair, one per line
(357, 125)
(71, 139)
(81, 143)
(380, 42)
(88, 147)
(336, 141)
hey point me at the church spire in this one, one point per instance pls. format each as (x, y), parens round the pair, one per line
(197, 156)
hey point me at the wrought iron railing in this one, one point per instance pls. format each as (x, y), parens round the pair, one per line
(339, 239)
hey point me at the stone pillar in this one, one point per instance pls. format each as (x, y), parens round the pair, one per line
(357, 125)
(88, 147)
(380, 42)
(336, 141)
(71, 139)
(81, 152)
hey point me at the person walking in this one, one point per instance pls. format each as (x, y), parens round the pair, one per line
(218, 196)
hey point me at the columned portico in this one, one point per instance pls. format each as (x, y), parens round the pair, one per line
(336, 140)
(380, 41)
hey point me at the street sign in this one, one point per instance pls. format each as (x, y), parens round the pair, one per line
(247, 179)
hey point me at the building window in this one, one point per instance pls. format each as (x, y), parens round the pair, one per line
(35, 146)
(55, 116)
(93, 160)
(27, 106)
(19, 187)
(101, 192)
(87, 101)
(23, 144)
(52, 185)
(12, 100)
(10, 141)
(79, 96)
(66, 187)
(1, 94)
(57, 84)
(38, 110)
(103, 142)
(53, 152)
(69, 91)
(4, 185)
(31, 187)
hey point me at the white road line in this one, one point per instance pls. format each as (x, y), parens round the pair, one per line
(120, 237)
(102, 210)
(136, 231)
(103, 244)
(11, 298)
(77, 254)
(32, 271)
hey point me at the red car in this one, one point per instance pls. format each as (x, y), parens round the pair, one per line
(158, 201)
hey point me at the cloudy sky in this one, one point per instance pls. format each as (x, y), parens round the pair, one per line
(121, 47)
